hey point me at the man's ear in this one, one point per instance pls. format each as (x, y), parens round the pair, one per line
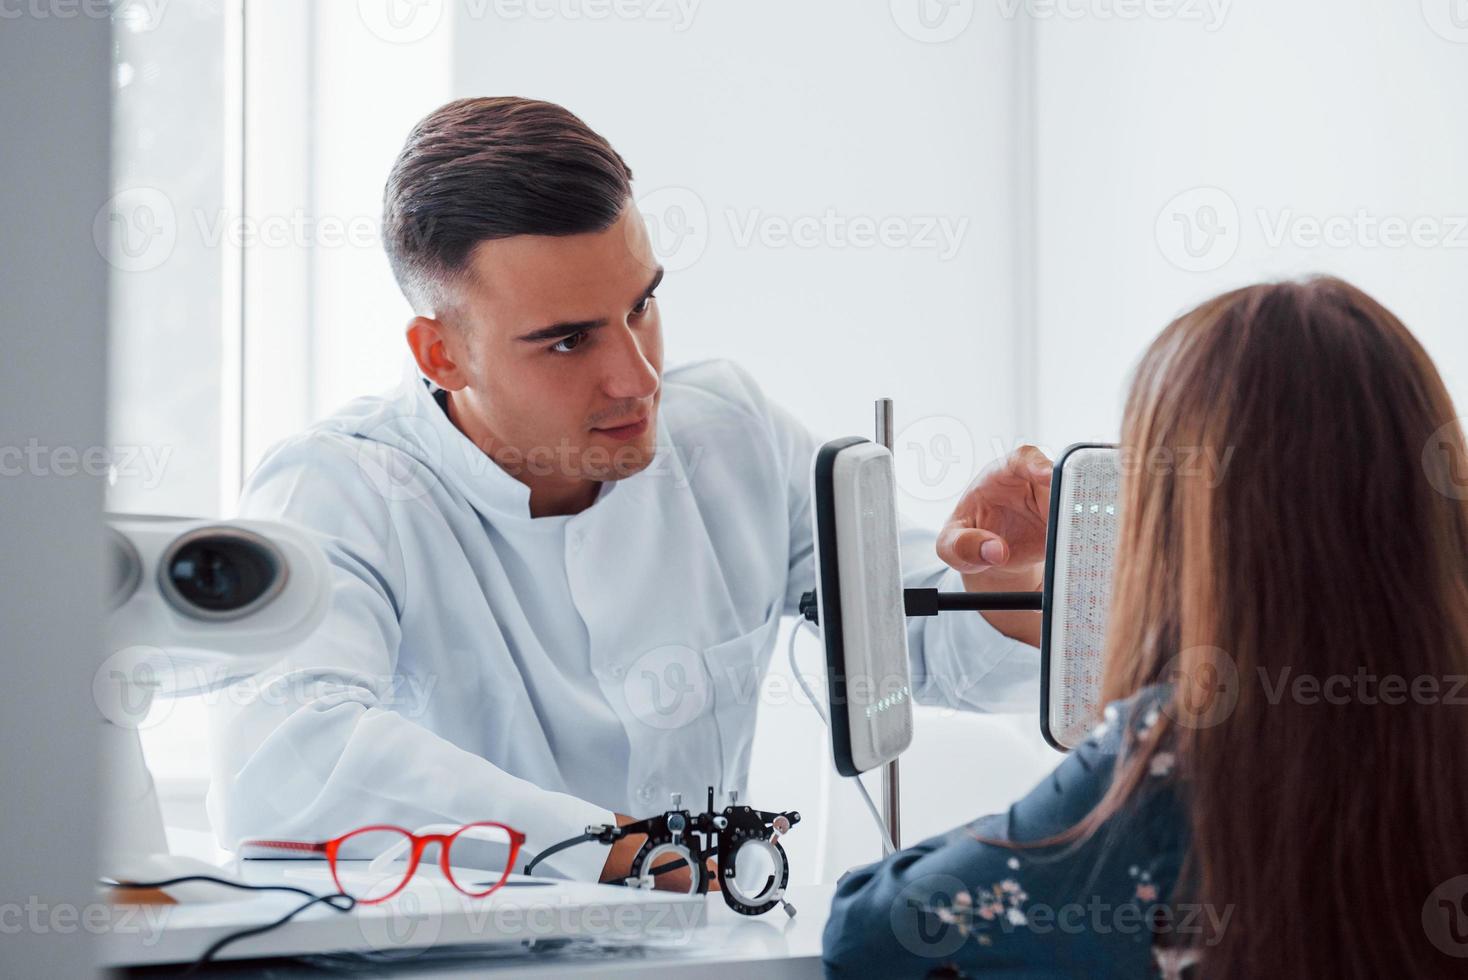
(437, 347)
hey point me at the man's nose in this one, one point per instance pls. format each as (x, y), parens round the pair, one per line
(630, 374)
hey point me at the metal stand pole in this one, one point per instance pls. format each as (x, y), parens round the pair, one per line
(891, 788)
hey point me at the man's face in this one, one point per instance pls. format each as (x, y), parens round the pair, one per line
(561, 349)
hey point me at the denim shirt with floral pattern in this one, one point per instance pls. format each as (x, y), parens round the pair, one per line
(961, 905)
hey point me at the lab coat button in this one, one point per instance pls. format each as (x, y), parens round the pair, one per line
(616, 670)
(646, 793)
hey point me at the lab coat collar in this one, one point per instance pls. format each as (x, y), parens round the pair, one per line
(457, 461)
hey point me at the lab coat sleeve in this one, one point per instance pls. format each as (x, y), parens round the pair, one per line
(959, 660)
(313, 747)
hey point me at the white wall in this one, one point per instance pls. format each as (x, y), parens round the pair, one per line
(332, 95)
(765, 111)
(1297, 109)
(173, 127)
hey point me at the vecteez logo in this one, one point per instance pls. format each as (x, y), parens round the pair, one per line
(666, 687)
(943, 234)
(680, 227)
(935, 457)
(1445, 917)
(401, 21)
(677, 224)
(932, 21)
(1447, 18)
(677, 13)
(137, 16)
(1445, 462)
(1211, 14)
(136, 229)
(1198, 230)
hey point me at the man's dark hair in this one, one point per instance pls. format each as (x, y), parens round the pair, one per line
(480, 169)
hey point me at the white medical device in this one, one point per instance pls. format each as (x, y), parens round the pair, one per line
(862, 606)
(859, 598)
(193, 605)
(1080, 554)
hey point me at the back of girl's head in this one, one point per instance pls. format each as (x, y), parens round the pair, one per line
(1294, 559)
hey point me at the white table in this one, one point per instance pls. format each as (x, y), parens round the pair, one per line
(728, 946)
(718, 943)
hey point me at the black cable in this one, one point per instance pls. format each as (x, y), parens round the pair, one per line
(242, 886)
(582, 839)
(330, 900)
(556, 848)
(257, 930)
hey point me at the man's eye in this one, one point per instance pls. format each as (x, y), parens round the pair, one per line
(642, 306)
(567, 344)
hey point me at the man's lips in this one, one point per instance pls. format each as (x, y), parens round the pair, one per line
(631, 430)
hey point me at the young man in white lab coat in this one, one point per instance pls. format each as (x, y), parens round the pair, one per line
(559, 572)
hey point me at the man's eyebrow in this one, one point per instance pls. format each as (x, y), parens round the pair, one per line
(556, 331)
(652, 287)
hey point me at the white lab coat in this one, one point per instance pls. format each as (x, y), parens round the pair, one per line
(478, 664)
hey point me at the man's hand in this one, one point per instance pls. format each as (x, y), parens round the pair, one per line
(619, 864)
(996, 535)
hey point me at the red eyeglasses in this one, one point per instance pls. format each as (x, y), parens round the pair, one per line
(384, 847)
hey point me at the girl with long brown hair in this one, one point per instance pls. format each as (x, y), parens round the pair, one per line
(1279, 787)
